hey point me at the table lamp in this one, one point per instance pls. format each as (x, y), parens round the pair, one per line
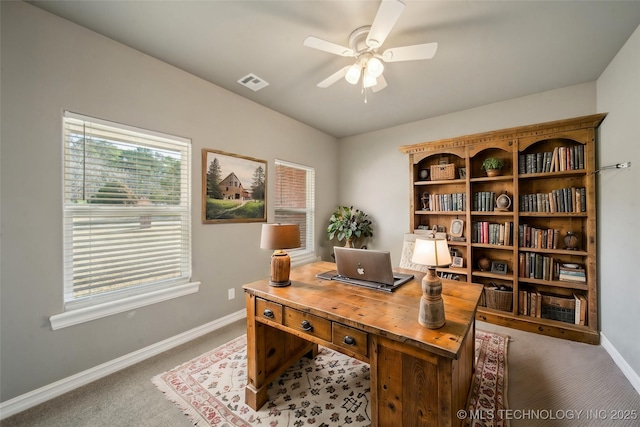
(279, 237)
(431, 253)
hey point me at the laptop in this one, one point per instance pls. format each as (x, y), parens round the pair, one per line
(368, 268)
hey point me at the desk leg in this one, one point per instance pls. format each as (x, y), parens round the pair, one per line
(270, 351)
(411, 387)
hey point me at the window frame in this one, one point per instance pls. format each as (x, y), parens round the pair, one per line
(307, 254)
(79, 310)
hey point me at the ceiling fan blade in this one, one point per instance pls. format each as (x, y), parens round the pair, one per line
(388, 13)
(334, 77)
(316, 43)
(381, 84)
(410, 53)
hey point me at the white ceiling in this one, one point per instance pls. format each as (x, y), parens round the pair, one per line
(488, 51)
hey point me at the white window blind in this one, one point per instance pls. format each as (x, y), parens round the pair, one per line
(127, 213)
(295, 201)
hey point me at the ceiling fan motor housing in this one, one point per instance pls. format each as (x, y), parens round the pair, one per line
(358, 40)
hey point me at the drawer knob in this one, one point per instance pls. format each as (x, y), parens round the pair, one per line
(268, 313)
(349, 340)
(306, 326)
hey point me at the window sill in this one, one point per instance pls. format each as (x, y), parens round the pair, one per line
(302, 259)
(86, 314)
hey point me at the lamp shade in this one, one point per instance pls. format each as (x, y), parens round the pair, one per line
(280, 236)
(431, 252)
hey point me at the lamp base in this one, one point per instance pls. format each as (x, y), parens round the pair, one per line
(431, 313)
(279, 284)
(280, 268)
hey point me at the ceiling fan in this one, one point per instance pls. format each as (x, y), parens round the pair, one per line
(364, 43)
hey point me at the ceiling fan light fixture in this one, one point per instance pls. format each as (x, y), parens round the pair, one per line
(375, 67)
(368, 80)
(353, 74)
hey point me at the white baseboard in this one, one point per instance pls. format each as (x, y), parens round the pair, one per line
(35, 397)
(626, 369)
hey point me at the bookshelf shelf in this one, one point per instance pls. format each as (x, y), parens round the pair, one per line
(489, 275)
(452, 213)
(550, 180)
(554, 214)
(491, 213)
(489, 246)
(492, 178)
(555, 283)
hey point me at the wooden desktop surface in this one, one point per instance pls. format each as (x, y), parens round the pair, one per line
(392, 315)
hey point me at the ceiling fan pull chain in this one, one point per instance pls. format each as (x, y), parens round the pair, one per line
(364, 91)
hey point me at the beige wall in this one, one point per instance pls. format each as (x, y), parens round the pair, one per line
(618, 207)
(50, 65)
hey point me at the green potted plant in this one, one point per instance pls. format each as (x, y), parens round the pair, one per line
(349, 224)
(492, 166)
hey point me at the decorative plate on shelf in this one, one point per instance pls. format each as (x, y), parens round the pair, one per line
(570, 265)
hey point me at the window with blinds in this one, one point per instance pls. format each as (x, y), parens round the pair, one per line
(295, 201)
(127, 213)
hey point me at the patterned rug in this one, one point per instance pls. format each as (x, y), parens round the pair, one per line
(330, 390)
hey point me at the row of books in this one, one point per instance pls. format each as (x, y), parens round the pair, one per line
(446, 202)
(570, 199)
(545, 267)
(541, 238)
(537, 266)
(484, 201)
(560, 159)
(492, 233)
(534, 303)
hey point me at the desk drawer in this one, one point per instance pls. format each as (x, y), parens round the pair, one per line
(352, 339)
(268, 310)
(307, 323)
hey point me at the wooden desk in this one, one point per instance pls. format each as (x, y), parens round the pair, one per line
(419, 376)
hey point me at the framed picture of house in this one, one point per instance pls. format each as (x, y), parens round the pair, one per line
(234, 188)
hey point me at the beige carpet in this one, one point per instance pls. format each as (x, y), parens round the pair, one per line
(544, 374)
(330, 390)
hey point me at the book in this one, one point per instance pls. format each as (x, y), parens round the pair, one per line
(580, 309)
(583, 310)
(572, 275)
(539, 162)
(581, 157)
(554, 160)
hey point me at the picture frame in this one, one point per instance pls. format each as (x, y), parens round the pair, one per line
(499, 267)
(234, 188)
(462, 172)
(457, 228)
(457, 262)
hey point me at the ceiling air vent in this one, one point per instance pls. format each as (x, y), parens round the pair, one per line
(253, 82)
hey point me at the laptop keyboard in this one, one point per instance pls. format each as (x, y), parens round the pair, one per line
(365, 283)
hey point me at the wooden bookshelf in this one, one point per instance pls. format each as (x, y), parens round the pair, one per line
(548, 194)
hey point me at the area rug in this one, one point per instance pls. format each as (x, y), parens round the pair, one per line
(330, 390)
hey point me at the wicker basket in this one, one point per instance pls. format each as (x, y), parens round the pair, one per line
(498, 300)
(441, 172)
